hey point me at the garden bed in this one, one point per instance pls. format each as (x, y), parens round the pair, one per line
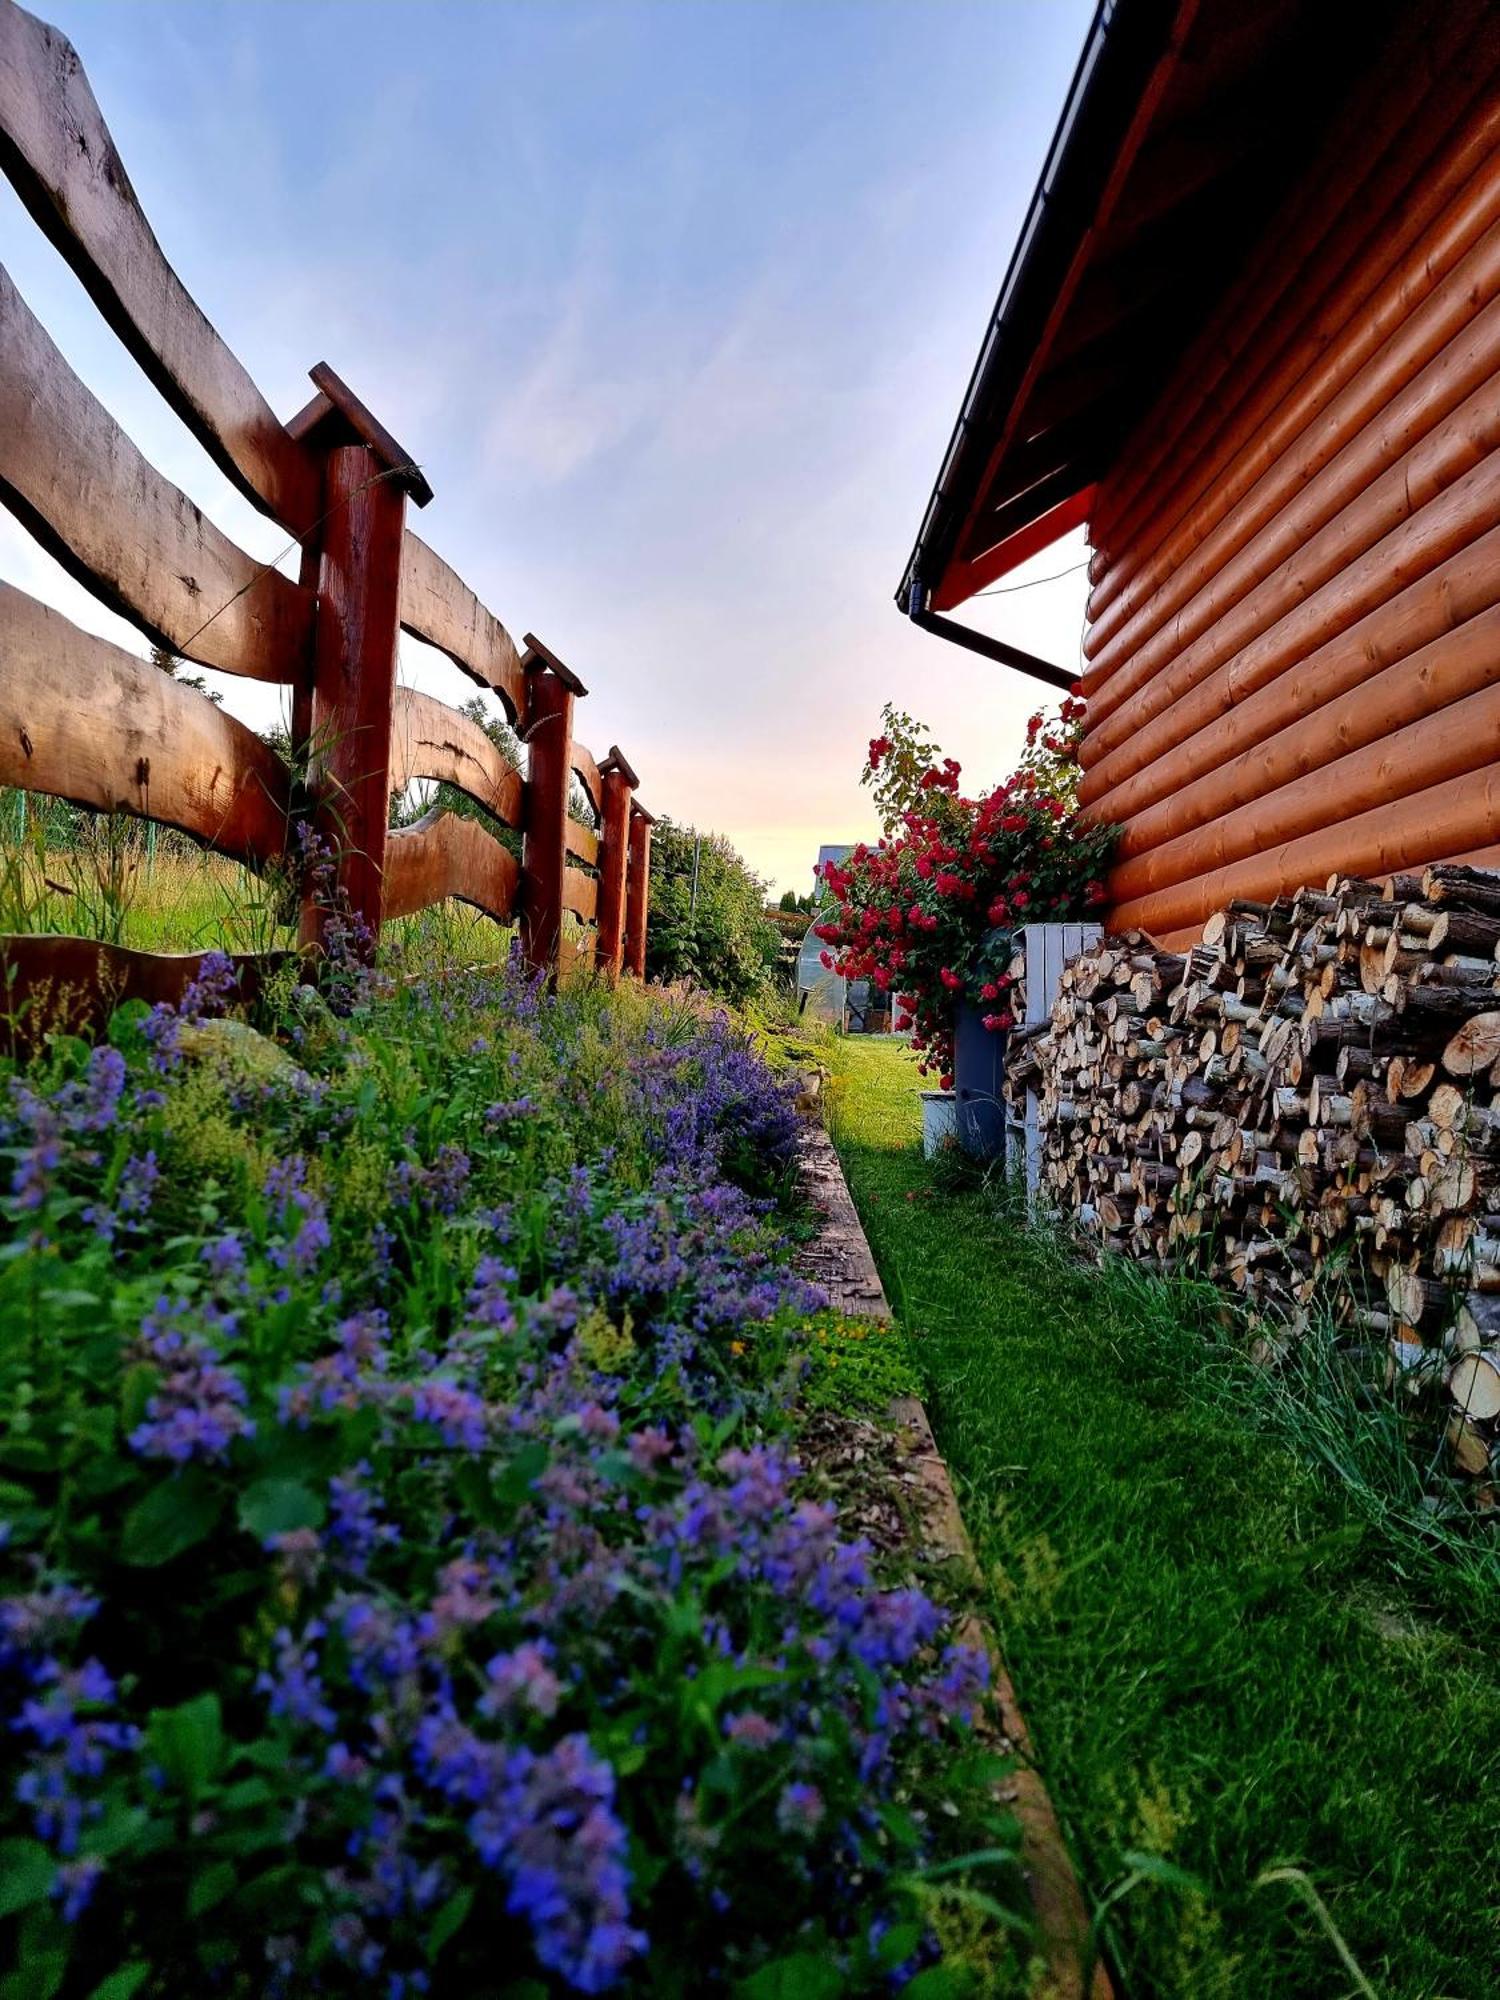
(412, 1577)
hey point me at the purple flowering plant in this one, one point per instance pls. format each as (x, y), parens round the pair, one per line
(408, 1581)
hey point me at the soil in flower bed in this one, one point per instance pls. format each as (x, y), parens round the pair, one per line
(416, 1574)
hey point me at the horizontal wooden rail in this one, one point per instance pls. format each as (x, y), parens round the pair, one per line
(439, 607)
(73, 984)
(587, 773)
(77, 482)
(57, 152)
(84, 721)
(442, 856)
(431, 740)
(583, 843)
(580, 894)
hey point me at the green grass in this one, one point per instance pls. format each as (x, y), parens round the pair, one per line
(112, 884)
(1239, 1654)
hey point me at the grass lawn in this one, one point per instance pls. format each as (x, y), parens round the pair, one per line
(1269, 1716)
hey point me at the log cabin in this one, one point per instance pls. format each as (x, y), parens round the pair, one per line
(1250, 341)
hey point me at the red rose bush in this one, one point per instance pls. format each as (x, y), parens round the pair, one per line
(930, 912)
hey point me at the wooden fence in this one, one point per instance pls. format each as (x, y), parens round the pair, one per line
(85, 721)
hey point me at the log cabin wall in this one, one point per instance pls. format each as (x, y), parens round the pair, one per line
(1293, 653)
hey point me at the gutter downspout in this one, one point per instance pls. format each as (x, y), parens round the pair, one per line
(980, 642)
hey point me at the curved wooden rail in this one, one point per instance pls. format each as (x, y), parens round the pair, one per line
(57, 152)
(442, 856)
(587, 773)
(583, 843)
(68, 983)
(439, 607)
(84, 721)
(72, 476)
(431, 740)
(580, 894)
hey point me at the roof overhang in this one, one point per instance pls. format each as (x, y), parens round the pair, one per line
(1186, 123)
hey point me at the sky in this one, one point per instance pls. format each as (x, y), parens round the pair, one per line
(674, 301)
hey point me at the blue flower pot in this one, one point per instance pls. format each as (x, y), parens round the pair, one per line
(978, 1079)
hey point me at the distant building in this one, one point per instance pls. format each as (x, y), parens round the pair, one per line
(855, 1006)
(825, 855)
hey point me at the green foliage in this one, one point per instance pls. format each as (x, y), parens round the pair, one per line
(405, 1569)
(1263, 1688)
(858, 1366)
(708, 921)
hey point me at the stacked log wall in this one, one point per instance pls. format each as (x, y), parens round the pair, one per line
(1304, 1105)
(1293, 655)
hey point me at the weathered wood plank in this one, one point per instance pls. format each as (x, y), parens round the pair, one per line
(58, 154)
(82, 720)
(580, 894)
(431, 740)
(583, 842)
(588, 775)
(72, 476)
(73, 985)
(443, 855)
(439, 607)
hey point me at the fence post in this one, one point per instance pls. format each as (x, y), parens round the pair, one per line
(551, 689)
(638, 889)
(618, 782)
(345, 714)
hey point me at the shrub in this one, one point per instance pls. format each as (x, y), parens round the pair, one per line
(930, 913)
(408, 1582)
(708, 922)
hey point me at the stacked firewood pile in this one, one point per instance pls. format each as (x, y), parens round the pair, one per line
(1305, 1105)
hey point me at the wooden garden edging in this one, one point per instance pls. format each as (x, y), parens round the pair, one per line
(84, 721)
(840, 1260)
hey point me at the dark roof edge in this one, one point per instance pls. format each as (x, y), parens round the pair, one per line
(1124, 42)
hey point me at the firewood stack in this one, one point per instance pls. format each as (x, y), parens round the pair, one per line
(1305, 1103)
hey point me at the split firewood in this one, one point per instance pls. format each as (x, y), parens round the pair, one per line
(1307, 1104)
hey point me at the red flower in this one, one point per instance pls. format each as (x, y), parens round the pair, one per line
(998, 1023)
(1020, 899)
(989, 991)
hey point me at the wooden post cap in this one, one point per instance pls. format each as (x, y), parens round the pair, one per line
(337, 416)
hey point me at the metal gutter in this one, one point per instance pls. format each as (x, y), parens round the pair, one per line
(1124, 41)
(993, 649)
